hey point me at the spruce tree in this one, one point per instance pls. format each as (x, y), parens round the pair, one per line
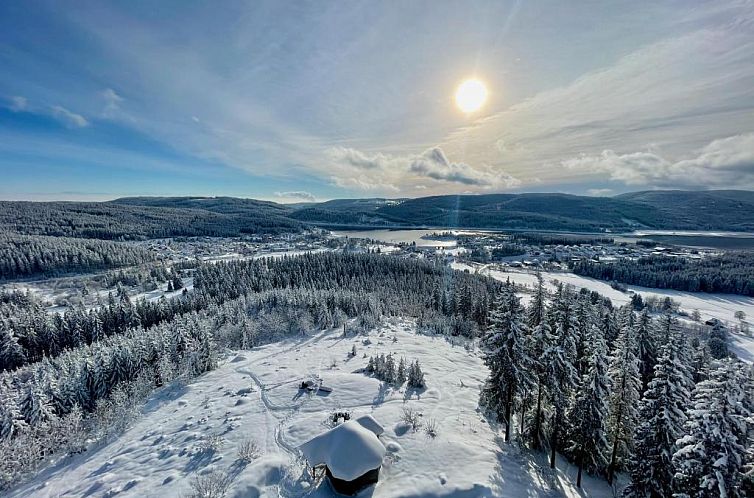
(662, 417)
(558, 361)
(505, 356)
(711, 456)
(624, 397)
(588, 415)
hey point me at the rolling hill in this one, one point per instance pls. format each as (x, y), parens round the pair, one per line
(149, 217)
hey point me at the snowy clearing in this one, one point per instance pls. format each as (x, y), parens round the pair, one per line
(255, 394)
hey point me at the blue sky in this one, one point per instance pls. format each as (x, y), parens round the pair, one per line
(294, 101)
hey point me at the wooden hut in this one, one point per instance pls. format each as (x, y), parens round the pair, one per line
(350, 454)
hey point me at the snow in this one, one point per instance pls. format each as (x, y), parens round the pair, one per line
(720, 306)
(254, 394)
(349, 450)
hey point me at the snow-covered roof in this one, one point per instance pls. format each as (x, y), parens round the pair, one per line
(368, 422)
(349, 450)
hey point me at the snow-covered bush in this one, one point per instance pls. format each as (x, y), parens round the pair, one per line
(248, 450)
(211, 443)
(412, 418)
(213, 484)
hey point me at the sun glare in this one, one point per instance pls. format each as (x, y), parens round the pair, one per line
(471, 95)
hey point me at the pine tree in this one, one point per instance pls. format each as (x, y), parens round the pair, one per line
(648, 348)
(710, 459)
(662, 416)
(416, 376)
(505, 356)
(558, 361)
(539, 341)
(624, 397)
(588, 415)
(718, 341)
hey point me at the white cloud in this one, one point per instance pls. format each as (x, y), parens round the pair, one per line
(679, 92)
(68, 118)
(600, 192)
(723, 162)
(112, 102)
(376, 171)
(18, 103)
(297, 194)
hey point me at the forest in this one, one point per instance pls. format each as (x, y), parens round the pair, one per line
(75, 369)
(140, 218)
(24, 256)
(574, 374)
(729, 273)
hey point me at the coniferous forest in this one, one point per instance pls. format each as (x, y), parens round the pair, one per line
(608, 389)
(730, 273)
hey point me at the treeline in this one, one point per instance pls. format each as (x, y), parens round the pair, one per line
(615, 391)
(729, 273)
(26, 256)
(28, 333)
(103, 355)
(136, 220)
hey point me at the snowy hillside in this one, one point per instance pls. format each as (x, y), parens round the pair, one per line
(720, 306)
(193, 430)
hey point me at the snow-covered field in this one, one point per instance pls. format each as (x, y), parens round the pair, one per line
(720, 306)
(255, 394)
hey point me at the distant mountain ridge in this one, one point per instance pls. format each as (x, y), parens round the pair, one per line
(149, 217)
(659, 209)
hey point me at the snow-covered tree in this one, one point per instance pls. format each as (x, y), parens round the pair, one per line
(505, 356)
(647, 348)
(718, 340)
(710, 459)
(624, 396)
(588, 415)
(662, 417)
(558, 361)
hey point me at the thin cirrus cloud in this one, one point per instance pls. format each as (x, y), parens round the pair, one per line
(317, 98)
(68, 118)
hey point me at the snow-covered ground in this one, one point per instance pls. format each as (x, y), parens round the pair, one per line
(720, 306)
(255, 394)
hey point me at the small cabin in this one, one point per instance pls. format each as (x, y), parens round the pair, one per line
(350, 454)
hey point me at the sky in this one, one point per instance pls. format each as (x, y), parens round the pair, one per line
(302, 101)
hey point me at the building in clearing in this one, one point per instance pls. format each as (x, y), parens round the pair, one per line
(350, 454)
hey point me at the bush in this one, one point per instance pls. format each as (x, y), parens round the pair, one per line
(411, 418)
(211, 444)
(430, 428)
(214, 484)
(248, 450)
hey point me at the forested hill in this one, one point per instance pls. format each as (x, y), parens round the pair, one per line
(669, 209)
(141, 218)
(713, 209)
(148, 217)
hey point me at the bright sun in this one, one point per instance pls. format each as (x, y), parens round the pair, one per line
(471, 95)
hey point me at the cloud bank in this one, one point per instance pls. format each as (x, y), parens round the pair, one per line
(723, 162)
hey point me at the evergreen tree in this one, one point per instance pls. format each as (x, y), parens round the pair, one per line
(558, 361)
(710, 460)
(647, 348)
(718, 341)
(624, 397)
(588, 415)
(505, 356)
(662, 416)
